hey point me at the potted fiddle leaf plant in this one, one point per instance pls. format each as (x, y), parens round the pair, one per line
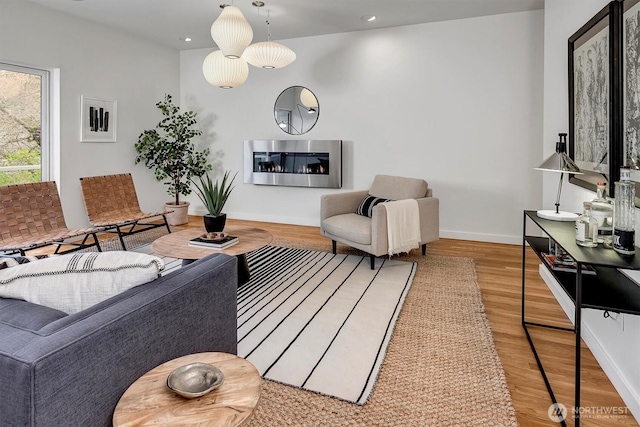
(169, 151)
(214, 196)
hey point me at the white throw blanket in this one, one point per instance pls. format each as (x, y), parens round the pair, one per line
(403, 225)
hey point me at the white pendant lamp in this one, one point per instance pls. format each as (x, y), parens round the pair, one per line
(231, 32)
(269, 55)
(224, 72)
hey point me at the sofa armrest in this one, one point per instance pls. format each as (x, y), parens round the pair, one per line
(340, 203)
(78, 367)
(429, 219)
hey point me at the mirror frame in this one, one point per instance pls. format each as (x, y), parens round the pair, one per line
(286, 111)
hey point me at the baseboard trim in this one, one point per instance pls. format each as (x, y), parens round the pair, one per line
(481, 237)
(629, 396)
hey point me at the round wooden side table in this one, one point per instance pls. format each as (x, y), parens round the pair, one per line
(148, 401)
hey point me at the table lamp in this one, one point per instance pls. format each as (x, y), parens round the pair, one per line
(559, 162)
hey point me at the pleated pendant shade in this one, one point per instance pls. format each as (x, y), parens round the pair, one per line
(269, 55)
(224, 72)
(231, 32)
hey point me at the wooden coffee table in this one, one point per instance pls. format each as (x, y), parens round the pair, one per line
(148, 401)
(176, 245)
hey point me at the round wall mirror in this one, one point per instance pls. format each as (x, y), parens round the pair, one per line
(296, 110)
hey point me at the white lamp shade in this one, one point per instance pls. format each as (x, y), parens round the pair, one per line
(269, 55)
(231, 32)
(308, 99)
(224, 72)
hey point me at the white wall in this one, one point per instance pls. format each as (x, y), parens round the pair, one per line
(458, 103)
(96, 61)
(617, 351)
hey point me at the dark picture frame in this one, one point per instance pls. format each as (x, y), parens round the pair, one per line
(595, 98)
(631, 90)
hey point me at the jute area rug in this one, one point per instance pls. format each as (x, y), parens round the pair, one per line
(441, 368)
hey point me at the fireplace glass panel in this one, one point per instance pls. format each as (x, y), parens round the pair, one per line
(297, 163)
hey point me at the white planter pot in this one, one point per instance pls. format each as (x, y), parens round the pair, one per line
(180, 214)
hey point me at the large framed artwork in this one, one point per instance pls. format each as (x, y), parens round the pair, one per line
(594, 82)
(631, 88)
(98, 122)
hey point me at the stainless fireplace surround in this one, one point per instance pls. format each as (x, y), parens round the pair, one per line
(294, 163)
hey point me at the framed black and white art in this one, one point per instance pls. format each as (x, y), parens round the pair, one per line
(99, 119)
(594, 98)
(630, 86)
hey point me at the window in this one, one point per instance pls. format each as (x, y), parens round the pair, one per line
(24, 124)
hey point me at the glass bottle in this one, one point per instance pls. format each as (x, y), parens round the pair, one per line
(602, 211)
(624, 214)
(586, 228)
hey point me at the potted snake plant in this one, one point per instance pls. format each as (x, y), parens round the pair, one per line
(214, 196)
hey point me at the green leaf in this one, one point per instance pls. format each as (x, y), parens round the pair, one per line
(214, 195)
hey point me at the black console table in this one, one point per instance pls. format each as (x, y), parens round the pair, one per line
(608, 289)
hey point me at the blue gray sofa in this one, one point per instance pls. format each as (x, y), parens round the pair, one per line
(70, 370)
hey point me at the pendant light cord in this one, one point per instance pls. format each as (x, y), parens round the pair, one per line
(268, 27)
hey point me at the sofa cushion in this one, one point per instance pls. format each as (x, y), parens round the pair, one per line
(398, 188)
(71, 283)
(353, 227)
(27, 316)
(368, 203)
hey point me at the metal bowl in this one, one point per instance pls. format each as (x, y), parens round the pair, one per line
(195, 379)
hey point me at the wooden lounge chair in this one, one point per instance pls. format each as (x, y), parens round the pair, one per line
(31, 217)
(112, 202)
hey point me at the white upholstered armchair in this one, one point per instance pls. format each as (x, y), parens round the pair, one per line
(341, 223)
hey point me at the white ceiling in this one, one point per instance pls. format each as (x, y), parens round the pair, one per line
(168, 21)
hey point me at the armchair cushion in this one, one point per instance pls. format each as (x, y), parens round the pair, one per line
(398, 187)
(368, 203)
(353, 227)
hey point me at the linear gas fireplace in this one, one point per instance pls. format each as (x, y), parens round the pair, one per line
(297, 163)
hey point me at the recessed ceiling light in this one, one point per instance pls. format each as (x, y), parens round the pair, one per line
(368, 18)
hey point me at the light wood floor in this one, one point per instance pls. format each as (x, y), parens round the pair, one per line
(499, 275)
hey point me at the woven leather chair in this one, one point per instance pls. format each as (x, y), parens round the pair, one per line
(340, 223)
(112, 202)
(31, 217)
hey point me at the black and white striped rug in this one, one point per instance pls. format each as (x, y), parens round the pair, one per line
(319, 321)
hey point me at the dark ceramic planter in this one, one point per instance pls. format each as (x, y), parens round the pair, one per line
(214, 223)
